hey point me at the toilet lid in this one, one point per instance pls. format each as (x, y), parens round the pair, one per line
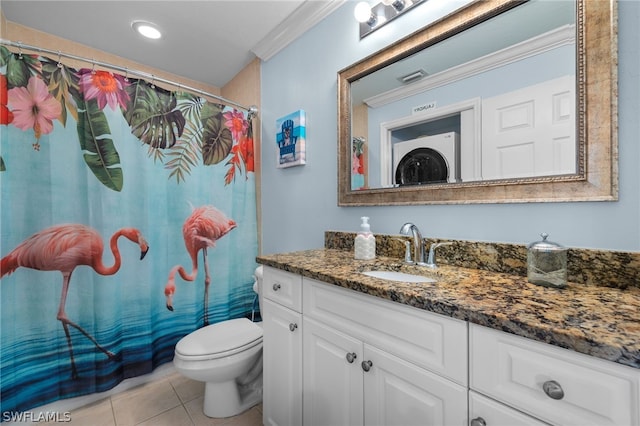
(219, 338)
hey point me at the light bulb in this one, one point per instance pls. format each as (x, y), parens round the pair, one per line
(398, 5)
(362, 12)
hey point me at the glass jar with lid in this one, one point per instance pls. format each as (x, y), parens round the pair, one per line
(547, 263)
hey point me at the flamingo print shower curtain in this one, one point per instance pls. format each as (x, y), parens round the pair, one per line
(128, 220)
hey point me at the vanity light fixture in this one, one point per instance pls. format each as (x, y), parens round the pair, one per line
(372, 18)
(146, 29)
(398, 5)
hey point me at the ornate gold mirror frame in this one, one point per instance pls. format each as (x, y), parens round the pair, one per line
(597, 126)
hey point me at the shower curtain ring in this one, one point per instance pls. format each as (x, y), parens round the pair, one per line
(126, 75)
(20, 50)
(93, 68)
(59, 57)
(153, 79)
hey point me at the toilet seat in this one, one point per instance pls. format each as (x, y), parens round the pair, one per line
(219, 340)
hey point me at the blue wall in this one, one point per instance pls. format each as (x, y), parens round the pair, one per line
(300, 203)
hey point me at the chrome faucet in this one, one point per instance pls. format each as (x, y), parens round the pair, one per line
(431, 260)
(418, 248)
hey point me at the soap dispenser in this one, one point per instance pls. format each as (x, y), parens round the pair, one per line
(547, 263)
(365, 243)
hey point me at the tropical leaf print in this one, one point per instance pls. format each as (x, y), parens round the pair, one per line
(20, 67)
(152, 115)
(191, 107)
(209, 110)
(99, 151)
(242, 151)
(185, 154)
(183, 157)
(181, 130)
(63, 85)
(217, 139)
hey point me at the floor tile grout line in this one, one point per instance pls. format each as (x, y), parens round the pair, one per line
(113, 412)
(182, 402)
(168, 409)
(193, 421)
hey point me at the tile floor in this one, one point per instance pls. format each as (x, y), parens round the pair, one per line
(170, 401)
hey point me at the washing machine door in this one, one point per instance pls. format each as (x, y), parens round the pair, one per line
(422, 166)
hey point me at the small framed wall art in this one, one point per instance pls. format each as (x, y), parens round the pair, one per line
(291, 132)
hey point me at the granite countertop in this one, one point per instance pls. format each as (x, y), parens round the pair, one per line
(597, 321)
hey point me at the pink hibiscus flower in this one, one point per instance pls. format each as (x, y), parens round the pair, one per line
(106, 87)
(236, 123)
(33, 107)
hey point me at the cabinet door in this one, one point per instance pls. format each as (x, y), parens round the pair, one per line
(487, 412)
(282, 373)
(332, 377)
(400, 393)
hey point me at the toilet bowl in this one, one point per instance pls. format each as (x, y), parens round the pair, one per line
(227, 356)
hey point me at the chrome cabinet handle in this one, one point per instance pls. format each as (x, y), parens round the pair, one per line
(293, 326)
(276, 287)
(478, 421)
(553, 389)
(351, 356)
(366, 365)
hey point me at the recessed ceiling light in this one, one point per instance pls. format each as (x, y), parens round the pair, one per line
(147, 29)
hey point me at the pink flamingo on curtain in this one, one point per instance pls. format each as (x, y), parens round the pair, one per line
(63, 248)
(201, 230)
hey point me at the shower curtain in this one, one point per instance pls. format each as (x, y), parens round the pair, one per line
(108, 185)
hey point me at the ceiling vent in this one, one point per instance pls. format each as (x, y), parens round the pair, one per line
(414, 76)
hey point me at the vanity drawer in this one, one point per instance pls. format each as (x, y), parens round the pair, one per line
(435, 342)
(483, 410)
(282, 287)
(581, 390)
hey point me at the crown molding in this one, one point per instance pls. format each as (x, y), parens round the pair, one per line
(534, 46)
(307, 15)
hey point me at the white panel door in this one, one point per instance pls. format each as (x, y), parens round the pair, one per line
(282, 372)
(400, 393)
(530, 132)
(333, 393)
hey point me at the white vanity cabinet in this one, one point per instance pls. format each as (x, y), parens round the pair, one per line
(368, 361)
(548, 383)
(334, 356)
(282, 348)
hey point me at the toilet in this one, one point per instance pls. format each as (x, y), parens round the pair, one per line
(227, 356)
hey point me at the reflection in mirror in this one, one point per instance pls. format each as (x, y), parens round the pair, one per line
(517, 69)
(491, 108)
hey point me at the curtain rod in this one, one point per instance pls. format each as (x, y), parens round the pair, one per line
(252, 109)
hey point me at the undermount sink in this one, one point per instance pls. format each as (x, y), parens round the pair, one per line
(399, 276)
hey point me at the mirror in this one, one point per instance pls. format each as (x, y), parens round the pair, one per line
(460, 128)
